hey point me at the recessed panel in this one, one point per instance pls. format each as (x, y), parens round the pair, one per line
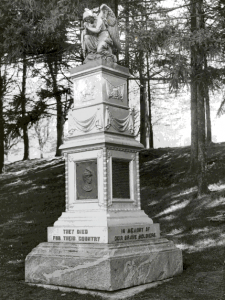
(120, 179)
(87, 180)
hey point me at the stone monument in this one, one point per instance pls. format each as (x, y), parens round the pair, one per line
(103, 240)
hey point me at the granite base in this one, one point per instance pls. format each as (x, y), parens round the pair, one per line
(106, 267)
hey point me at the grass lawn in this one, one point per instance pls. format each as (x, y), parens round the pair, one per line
(32, 197)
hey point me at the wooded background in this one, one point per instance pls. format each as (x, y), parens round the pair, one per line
(170, 47)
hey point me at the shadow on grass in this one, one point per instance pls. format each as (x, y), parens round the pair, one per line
(32, 197)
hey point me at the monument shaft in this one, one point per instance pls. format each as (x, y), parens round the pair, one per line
(103, 240)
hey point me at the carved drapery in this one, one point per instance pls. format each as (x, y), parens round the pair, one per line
(88, 124)
(119, 124)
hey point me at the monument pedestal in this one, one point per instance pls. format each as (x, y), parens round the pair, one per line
(106, 267)
(103, 241)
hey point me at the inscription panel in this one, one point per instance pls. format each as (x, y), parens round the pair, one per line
(87, 180)
(133, 233)
(117, 234)
(120, 179)
(77, 235)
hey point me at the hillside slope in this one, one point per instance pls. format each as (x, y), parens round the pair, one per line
(32, 198)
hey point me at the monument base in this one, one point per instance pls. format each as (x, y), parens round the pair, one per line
(106, 267)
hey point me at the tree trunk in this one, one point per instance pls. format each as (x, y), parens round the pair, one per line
(207, 107)
(202, 180)
(1, 126)
(116, 8)
(198, 138)
(208, 118)
(23, 108)
(127, 23)
(151, 141)
(127, 46)
(26, 142)
(150, 127)
(143, 112)
(41, 153)
(6, 152)
(59, 126)
(194, 120)
(142, 100)
(207, 100)
(60, 119)
(194, 128)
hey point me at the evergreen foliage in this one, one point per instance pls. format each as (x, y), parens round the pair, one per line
(182, 44)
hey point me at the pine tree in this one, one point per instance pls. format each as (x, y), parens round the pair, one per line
(6, 19)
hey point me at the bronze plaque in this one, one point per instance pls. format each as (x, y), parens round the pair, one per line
(87, 180)
(120, 178)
